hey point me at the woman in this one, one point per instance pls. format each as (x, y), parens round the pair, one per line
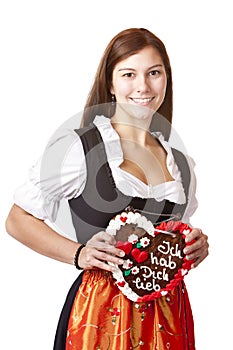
(114, 161)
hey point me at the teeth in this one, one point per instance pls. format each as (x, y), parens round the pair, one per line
(142, 100)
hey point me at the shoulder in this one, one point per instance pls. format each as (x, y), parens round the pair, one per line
(59, 173)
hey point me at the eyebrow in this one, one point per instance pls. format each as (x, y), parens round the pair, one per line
(132, 69)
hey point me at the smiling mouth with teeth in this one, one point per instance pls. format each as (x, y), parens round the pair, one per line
(142, 100)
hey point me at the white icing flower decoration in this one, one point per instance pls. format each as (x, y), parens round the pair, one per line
(133, 238)
(135, 270)
(144, 242)
(127, 264)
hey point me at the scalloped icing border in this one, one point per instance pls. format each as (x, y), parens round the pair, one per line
(141, 221)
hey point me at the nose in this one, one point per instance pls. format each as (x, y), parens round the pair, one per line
(142, 84)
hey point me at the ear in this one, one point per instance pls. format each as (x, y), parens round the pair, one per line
(112, 91)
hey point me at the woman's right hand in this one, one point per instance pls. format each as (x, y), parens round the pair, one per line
(100, 250)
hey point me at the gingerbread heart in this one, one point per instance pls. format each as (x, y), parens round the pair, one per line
(154, 262)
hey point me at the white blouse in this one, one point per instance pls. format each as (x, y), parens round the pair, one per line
(61, 173)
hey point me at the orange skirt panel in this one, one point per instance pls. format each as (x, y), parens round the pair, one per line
(102, 318)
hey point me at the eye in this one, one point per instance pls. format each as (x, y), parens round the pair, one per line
(154, 72)
(128, 75)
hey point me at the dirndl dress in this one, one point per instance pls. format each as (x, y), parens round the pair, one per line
(96, 315)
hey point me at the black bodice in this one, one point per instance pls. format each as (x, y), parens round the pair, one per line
(101, 199)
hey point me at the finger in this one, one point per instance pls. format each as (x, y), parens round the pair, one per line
(95, 263)
(194, 255)
(194, 234)
(198, 255)
(199, 243)
(192, 248)
(102, 246)
(106, 267)
(103, 236)
(105, 242)
(199, 260)
(107, 238)
(91, 257)
(109, 258)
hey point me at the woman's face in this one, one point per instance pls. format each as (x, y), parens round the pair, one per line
(140, 81)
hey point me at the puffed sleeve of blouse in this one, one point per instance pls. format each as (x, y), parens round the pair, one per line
(192, 200)
(59, 173)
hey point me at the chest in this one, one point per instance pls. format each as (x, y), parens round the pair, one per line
(148, 164)
(101, 199)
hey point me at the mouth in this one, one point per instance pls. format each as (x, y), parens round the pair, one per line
(142, 101)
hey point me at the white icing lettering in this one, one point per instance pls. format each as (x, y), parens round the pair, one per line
(147, 286)
(162, 261)
(167, 249)
(163, 249)
(148, 273)
(154, 259)
(149, 279)
(158, 275)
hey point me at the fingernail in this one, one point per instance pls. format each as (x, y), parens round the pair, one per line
(122, 253)
(120, 261)
(185, 250)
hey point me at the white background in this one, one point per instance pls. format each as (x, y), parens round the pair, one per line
(49, 55)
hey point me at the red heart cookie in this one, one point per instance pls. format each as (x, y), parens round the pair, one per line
(125, 246)
(138, 255)
(154, 261)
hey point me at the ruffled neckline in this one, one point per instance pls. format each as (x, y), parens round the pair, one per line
(134, 186)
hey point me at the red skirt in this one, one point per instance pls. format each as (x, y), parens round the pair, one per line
(102, 318)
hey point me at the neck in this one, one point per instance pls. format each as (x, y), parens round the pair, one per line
(131, 133)
(132, 128)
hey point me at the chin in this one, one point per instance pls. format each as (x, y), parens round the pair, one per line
(138, 112)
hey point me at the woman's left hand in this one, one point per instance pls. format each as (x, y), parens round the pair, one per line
(199, 250)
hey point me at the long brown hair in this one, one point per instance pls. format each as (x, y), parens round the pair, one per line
(123, 45)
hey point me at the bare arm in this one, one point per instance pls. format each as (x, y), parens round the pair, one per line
(35, 234)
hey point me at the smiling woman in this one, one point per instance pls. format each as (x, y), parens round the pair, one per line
(119, 158)
(126, 45)
(139, 80)
(143, 82)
